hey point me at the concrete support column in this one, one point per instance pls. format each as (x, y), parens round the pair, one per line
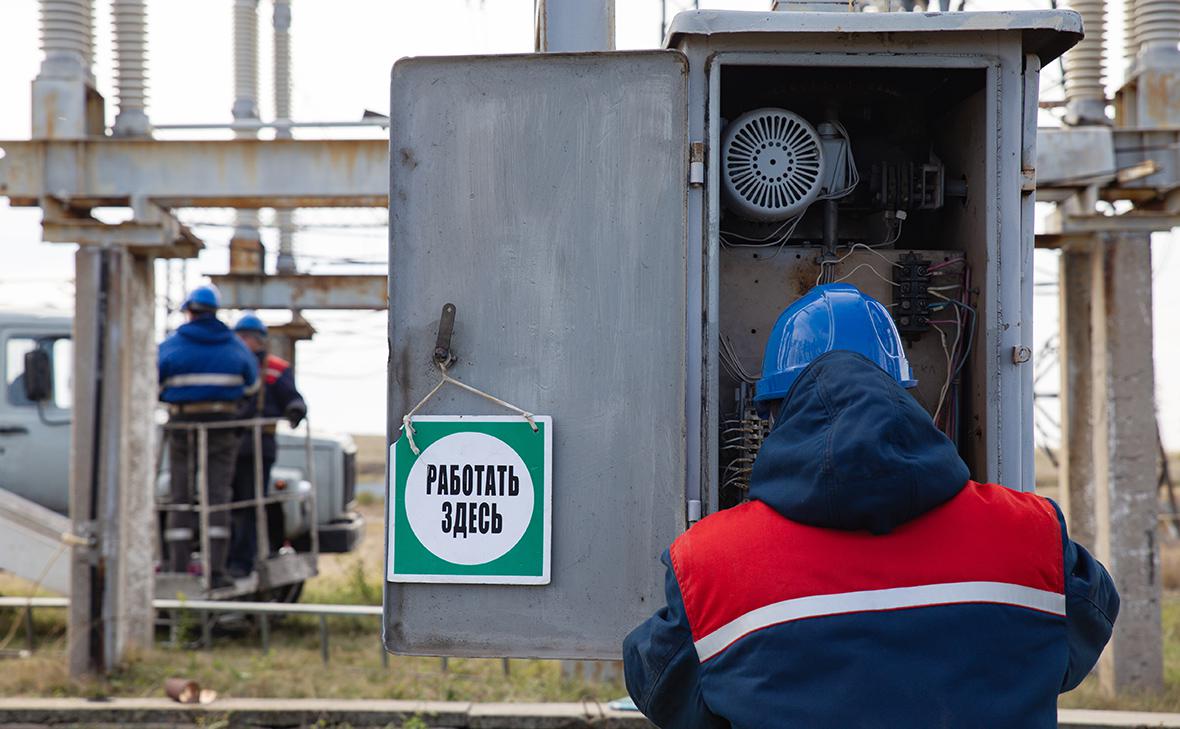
(112, 467)
(1077, 434)
(284, 337)
(1125, 457)
(568, 26)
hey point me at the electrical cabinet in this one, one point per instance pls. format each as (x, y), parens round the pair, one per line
(619, 231)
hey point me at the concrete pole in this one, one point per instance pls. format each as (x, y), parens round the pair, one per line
(131, 75)
(245, 247)
(1077, 435)
(1125, 457)
(569, 26)
(112, 459)
(284, 337)
(282, 76)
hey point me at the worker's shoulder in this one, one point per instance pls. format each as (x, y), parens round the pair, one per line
(170, 343)
(720, 530)
(1001, 498)
(277, 369)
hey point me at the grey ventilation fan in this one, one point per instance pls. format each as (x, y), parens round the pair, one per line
(772, 164)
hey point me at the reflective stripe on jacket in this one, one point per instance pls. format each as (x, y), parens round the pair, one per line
(204, 362)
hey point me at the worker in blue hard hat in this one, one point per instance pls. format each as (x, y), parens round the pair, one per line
(278, 397)
(868, 580)
(204, 374)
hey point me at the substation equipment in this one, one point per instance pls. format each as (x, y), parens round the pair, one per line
(619, 231)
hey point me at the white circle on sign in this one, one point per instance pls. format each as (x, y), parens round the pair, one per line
(443, 520)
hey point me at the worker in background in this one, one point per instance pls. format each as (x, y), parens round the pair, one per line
(277, 398)
(205, 372)
(868, 582)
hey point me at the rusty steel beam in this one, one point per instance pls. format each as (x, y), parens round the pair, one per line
(1134, 222)
(241, 173)
(303, 291)
(170, 240)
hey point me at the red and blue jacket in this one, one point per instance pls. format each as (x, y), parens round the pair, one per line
(273, 400)
(869, 583)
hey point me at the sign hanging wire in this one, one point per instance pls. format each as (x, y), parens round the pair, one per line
(407, 421)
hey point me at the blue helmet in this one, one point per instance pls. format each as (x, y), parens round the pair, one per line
(830, 317)
(250, 323)
(202, 298)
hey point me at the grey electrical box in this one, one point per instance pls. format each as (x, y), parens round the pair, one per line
(570, 207)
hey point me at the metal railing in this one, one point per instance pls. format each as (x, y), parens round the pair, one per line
(261, 609)
(259, 499)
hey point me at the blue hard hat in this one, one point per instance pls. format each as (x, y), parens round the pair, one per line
(250, 323)
(830, 317)
(202, 298)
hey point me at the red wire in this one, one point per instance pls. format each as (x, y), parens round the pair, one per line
(944, 264)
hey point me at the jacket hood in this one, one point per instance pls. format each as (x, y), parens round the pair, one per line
(852, 450)
(206, 330)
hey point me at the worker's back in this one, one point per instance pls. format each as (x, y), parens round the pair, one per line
(869, 583)
(203, 362)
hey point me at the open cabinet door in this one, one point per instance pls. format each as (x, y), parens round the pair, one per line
(545, 197)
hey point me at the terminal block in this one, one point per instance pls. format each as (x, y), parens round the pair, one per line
(911, 296)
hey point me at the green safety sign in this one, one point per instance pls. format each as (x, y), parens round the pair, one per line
(475, 505)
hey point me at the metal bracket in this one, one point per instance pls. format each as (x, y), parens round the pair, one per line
(1028, 179)
(442, 344)
(85, 537)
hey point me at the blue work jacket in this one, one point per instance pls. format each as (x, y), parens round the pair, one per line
(869, 583)
(204, 362)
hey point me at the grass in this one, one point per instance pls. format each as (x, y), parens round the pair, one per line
(293, 668)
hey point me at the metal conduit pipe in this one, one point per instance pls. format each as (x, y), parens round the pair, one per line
(131, 77)
(282, 91)
(1157, 26)
(66, 31)
(1085, 95)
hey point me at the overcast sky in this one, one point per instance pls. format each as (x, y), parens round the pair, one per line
(343, 50)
